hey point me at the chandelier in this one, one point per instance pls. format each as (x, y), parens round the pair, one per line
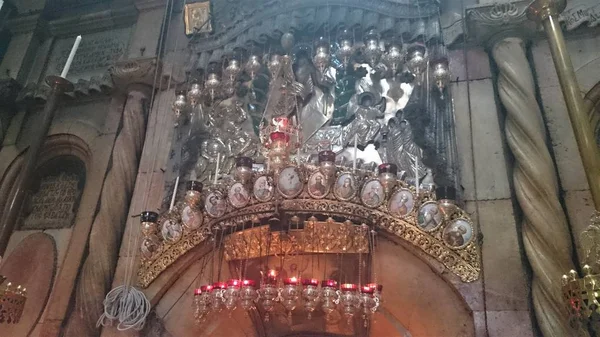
(290, 200)
(12, 302)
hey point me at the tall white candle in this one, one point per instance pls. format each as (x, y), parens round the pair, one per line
(71, 57)
(299, 146)
(217, 170)
(174, 194)
(417, 173)
(355, 152)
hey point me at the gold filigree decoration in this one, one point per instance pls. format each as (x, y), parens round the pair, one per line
(316, 237)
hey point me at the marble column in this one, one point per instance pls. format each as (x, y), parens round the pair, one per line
(545, 230)
(135, 78)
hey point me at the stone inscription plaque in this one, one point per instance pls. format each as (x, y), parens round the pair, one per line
(579, 12)
(52, 206)
(96, 53)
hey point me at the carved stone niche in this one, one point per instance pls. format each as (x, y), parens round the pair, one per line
(491, 22)
(141, 70)
(54, 195)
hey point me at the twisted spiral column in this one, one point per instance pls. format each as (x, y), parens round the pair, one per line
(107, 228)
(545, 231)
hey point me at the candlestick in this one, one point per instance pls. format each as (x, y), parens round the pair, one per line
(217, 169)
(417, 173)
(355, 153)
(299, 145)
(71, 57)
(174, 194)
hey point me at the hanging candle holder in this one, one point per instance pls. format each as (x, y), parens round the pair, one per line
(417, 60)
(248, 294)
(252, 66)
(322, 57)
(243, 169)
(212, 85)
(440, 74)
(372, 50)
(268, 294)
(231, 294)
(329, 296)
(194, 94)
(233, 69)
(180, 103)
(274, 65)
(349, 300)
(202, 302)
(393, 57)
(345, 48)
(388, 177)
(290, 294)
(310, 295)
(217, 297)
(369, 300)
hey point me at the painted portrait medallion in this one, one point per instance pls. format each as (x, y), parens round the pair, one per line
(317, 185)
(289, 182)
(263, 188)
(402, 203)
(429, 217)
(458, 233)
(215, 204)
(372, 194)
(149, 246)
(345, 187)
(171, 230)
(238, 195)
(191, 217)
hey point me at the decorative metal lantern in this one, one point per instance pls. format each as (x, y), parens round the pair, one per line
(330, 296)
(252, 66)
(440, 74)
(232, 70)
(179, 104)
(248, 294)
(349, 300)
(417, 60)
(212, 85)
(202, 302)
(393, 57)
(274, 65)
(217, 298)
(446, 196)
(310, 295)
(194, 95)
(388, 176)
(371, 50)
(268, 293)
(290, 294)
(232, 294)
(345, 49)
(243, 169)
(322, 57)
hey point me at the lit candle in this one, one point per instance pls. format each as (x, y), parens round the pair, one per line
(355, 152)
(217, 170)
(71, 57)
(174, 194)
(197, 292)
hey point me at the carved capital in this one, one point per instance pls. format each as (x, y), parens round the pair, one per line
(487, 24)
(139, 71)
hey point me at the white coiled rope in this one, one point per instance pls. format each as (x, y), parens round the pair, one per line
(128, 306)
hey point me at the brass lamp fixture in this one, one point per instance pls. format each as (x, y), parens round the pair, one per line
(12, 302)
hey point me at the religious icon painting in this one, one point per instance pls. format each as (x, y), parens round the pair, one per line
(402, 202)
(238, 195)
(289, 183)
(191, 217)
(458, 233)
(345, 187)
(372, 194)
(149, 246)
(171, 230)
(429, 217)
(317, 185)
(215, 204)
(263, 188)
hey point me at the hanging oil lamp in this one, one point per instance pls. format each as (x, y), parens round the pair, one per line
(310, 295)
